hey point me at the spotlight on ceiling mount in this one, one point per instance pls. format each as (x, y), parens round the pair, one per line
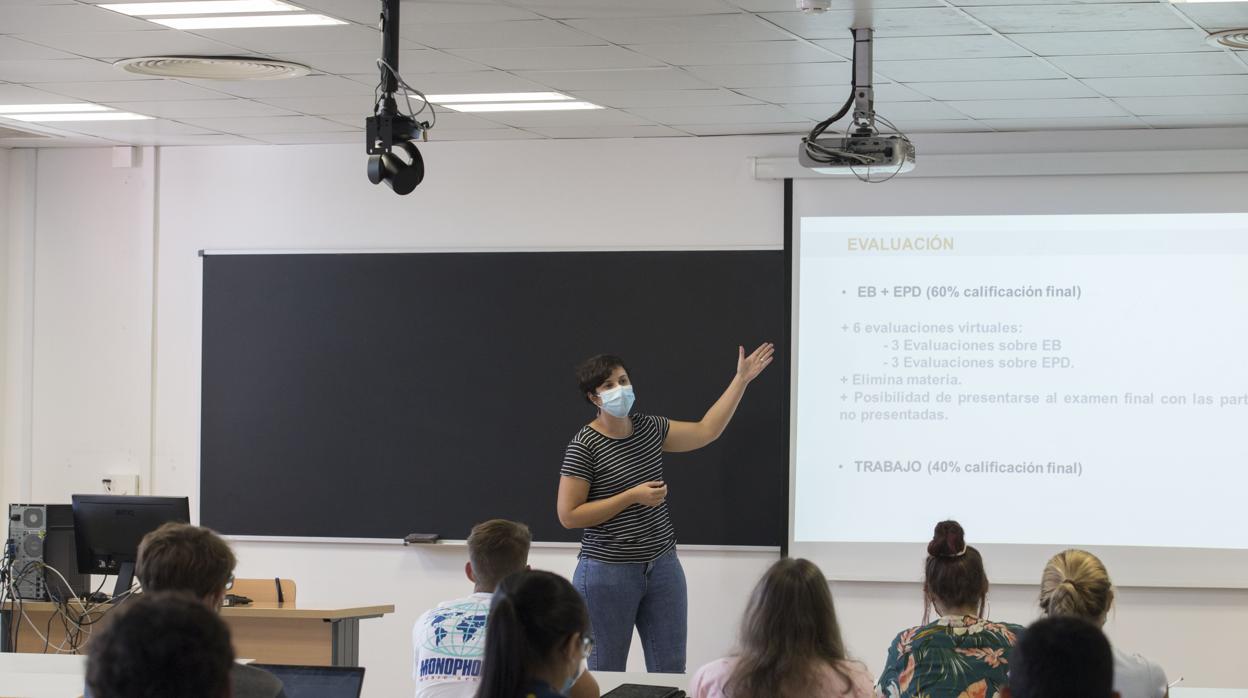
(388, 128)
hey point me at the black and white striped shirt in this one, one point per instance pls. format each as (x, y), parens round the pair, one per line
(612, 466)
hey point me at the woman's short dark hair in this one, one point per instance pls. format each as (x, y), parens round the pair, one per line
(532, 615)
(954, 571)
(1062, 657)
(595, 371)
(161, 644)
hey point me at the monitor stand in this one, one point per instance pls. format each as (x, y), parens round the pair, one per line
(125, 580)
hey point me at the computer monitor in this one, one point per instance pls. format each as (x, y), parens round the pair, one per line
(317, 681)
(108, 528)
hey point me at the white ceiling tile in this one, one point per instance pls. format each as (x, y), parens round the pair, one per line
(1178, 106)
(884, 93)
(777, 75)
(1159, 87)
(1004, 89)
(899, 112)
(308, 86)
(32, 19)
(557, 57)
(966, 69)
(132, 44)
(929, 47)
(412, 12)
(670, 30)
(411, 62)
(521, 34)
(979, 3)
(14, 49)
(1015, 19)
(130, 90)
(464, 83)
(316, 138)
(1216, 16)
(789, 5)
(1097, 43)
(268, 124)
(746, 114)
(1196, 121)
(737, 53)
(21, 94)
(925, 21)
(613, 9)
(320, 106)
(342, 37)
(169, 139)
(941, 126)
(794, 127)
(607, 131)
(594, 117)
(644, 79)
(1143, 65)
(663, 98)
(200, 108)
(490, 134)
(121, 129)
(1059, 124)
(65, 70)
(1039, 108)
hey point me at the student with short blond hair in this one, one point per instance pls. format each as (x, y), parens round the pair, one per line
(1076, 583)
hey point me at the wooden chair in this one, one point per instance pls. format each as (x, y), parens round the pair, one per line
(264, 590)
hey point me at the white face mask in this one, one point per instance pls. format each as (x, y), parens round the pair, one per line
(617, 402)
(567, 685)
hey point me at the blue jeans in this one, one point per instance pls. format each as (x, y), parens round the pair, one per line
(650, 595)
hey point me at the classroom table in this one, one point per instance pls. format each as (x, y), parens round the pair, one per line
(269, 633)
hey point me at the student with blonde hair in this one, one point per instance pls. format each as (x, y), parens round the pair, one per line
(1076, 583)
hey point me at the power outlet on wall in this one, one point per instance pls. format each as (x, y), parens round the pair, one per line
(121, 483)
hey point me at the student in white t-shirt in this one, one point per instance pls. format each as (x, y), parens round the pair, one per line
(1076, 583)
(449, 639)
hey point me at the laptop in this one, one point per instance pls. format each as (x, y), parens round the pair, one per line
(318, 681)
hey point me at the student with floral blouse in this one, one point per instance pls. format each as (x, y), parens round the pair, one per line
(961, 654)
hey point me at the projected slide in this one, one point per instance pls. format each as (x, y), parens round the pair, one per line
(1044, 379)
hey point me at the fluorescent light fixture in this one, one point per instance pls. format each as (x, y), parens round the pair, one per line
(1183, 1)
(247, 21)
(200, 7)
(89, 116)
(523, 106)
(6, 109)
(499, 97)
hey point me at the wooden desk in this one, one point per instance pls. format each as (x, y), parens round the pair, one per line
(269, 633)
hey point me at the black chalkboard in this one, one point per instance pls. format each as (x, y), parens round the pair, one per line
(376, 395)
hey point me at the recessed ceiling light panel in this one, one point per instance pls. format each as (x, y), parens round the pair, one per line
(84, 116)
(246, 21)
(499, 97)
(199, 7)
(7, 109)
(522, 106)
(213, 67)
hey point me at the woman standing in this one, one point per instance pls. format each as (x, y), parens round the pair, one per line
(611, 484)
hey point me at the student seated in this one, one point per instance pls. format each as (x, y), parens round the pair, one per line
(189, 559)
(1076, 583)
(961, 653)
(161, 645)
(538, 640)
(449, 639)
(790, 645)
(1062, 657)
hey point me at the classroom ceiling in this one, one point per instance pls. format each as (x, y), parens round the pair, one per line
(676, 68)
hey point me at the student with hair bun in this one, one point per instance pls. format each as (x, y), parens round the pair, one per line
(1076, 583)
(961, 654)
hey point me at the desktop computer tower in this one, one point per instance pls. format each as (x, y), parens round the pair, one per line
(43, 534)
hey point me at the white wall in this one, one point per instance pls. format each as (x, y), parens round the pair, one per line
(113, 352)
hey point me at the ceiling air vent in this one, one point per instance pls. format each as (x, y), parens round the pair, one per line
(214, 67)
(1231, 38)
